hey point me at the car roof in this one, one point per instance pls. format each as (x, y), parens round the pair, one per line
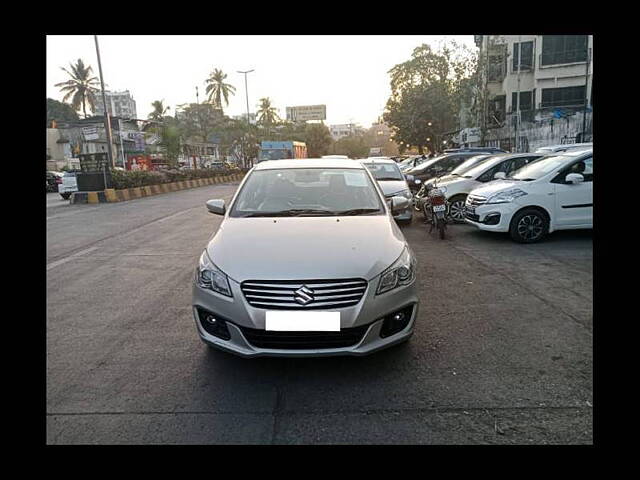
(551, 148)
(378, 160)
(309, 163)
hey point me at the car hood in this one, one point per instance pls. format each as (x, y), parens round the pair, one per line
(495, 186)
(293, 248)
(393, 186)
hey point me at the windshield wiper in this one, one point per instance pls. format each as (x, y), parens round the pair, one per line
(293, 212)
(357, 211)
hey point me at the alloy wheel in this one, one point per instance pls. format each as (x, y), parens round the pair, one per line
(456, 210)
(530, 227)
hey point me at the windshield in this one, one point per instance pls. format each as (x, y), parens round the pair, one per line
(384, 171)
(468, 164)
(423, 166)
(307, 192)
(539, 168)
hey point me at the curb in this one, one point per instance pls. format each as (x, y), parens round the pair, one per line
(112, 195)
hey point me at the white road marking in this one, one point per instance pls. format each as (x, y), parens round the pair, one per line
(70, 257)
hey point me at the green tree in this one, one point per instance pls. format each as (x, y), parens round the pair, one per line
(60, 112)
(318, 139)
(217, 89)
(267, 115)
(427, 94)
(81, 87)
(353, 146)
(198, 121)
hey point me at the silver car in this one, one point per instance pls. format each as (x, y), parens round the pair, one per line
(392, 182)
(307, 261)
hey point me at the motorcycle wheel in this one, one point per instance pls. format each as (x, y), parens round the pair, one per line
(441, 228)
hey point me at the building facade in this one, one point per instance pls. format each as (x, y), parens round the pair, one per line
(119, 104)
(344, 130)
(536, 90)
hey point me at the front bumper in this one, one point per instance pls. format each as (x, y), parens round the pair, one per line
(368, 312)
(485, 216)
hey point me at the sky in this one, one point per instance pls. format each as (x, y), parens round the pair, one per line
(347, 73)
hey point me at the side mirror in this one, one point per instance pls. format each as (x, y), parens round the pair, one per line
(216, 206)
(574, 178)
(499, 175)
(398, 204)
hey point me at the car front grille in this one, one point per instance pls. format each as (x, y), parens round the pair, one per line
(304, 294)
(472, 217)
(346, 337)
(475, 200)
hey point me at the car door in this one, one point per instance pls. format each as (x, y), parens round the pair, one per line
(574, 202)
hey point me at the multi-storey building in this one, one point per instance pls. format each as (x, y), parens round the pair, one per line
(344, 130)
(533, 83)
(119, 104)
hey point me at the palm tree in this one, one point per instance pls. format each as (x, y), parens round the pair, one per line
(158, 111)
(267, 114)
(82, 87)
(217, 89)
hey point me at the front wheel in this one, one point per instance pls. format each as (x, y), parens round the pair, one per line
(441, 228)
(529, 226)
(456, 208)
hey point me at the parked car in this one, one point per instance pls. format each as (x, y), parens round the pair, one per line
(330, 274)
(68, 185)
(552, 193)
(436, 167)
(475, 149)
(53, 179)
(565, 148)
(344, 157)
(392, 182)
(411, 162)
(458, 186)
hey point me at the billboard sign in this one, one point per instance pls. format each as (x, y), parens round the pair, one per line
(90, 133)
(307, 112)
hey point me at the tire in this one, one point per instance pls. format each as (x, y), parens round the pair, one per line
(441, 228)
(65, 195)
(529, 226)
(456, 208)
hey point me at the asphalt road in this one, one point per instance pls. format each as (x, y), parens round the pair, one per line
(502, 351)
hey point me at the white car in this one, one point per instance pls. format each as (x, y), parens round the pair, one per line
(485, 168)
(568, 147)
(552, 193)
(340, 157)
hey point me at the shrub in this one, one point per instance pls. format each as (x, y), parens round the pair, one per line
(141, 178)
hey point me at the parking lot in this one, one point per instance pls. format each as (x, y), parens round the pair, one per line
(502, 351)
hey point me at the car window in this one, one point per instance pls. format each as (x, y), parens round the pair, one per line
(307, 191)
(385, 171)
(583, 167)
(538, 168)
(469, 163)
(520, 162)
(500, 167)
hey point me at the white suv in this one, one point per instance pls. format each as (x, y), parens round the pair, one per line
(458, 185)
(552, 193)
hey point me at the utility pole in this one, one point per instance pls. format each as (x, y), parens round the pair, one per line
(121, 142)
(518, 93)
(107, 121)
(586, 92)
(246, 90)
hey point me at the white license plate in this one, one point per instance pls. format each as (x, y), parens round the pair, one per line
(439, 208)
(296, 321)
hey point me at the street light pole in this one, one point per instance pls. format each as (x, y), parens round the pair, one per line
(106, 110)
(246, 90)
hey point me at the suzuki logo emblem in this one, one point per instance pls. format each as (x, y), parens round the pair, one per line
(303, 295)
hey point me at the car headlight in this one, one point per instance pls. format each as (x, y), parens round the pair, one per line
(506, 196)
(402, 272)
(211, 277)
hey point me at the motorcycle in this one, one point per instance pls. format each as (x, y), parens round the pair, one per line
(436, 208)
